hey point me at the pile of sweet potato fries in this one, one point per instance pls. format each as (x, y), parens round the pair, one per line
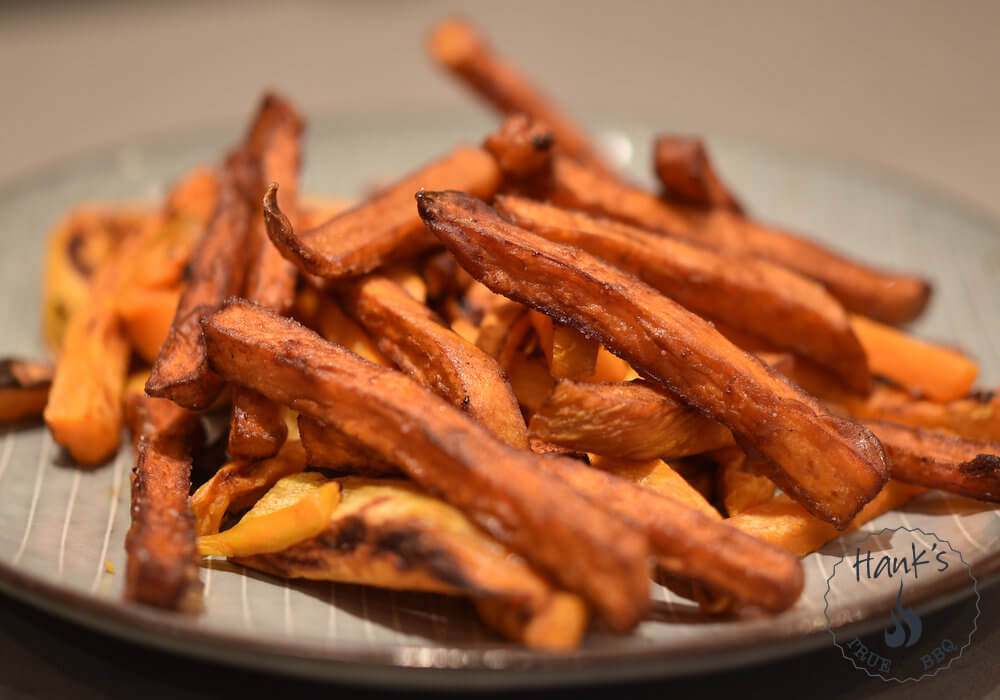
(512, 375)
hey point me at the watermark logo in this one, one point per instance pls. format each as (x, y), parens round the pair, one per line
(901, 566)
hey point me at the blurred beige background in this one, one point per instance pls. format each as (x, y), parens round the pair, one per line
(908, 85)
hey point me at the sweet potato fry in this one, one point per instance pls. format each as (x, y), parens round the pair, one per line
(655, 475)
(181, 372)
(337, 327)
(688, 542)
(633, 420)
(24, 388)
(503, 326)
(147, 315)
(257, 428)
(784, 523)
(422, 346)
(522, 146)
(789, 311)
(162, 555)
(687, 175)
(738, 487)
(457, 46)
(585, 547)
(382, 228)
(239, 484)
(945, 462)
(937, 372)
(830, 464)
(889, 297)
(573, 356)
(386, 533)
(532, 383)
(329, 448)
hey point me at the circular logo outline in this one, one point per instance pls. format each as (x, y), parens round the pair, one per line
(961, 650)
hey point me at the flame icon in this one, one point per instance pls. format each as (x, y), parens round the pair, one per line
(906, 620)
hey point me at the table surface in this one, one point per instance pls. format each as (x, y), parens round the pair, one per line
(904, 85)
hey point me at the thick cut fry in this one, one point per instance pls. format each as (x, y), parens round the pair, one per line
(830, 464)
(686, 173)
(784, 523)
(147, 316)
(789, 311)
(502, 489)
(257, 428)
(84, 410)
(386, 533)
(632, 420)
(945, 462)
(162, 555)
(738, 487)
(329, 448)
(181, 372)
(239, 484)
(458, 47)
(889, 297)
(688, 542)
(939, 373)
(24, 388)
(522, 146)
(382, 228)
(656, 475)
(421, 345)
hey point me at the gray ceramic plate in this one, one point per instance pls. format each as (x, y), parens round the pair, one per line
(59, 524)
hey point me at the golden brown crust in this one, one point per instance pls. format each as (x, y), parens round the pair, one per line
(162, 565)
(630, 420)
(501, 489)
(421, 345)
(789, 311)
(687, 175)
(457, 46)
(385, 226)
(967, 467)
(889, 297)
(830, 464)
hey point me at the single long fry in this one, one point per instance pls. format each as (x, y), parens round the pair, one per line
(629, 420)
(388, 534)
(386, 226)
(500, 488)
(689, 542)
(458, 47)
(257, 428)
(926, 458)
(686, 172)
(830, 464)
(784, 523)
(239, 484)
(24, 388)
(330, 448)
(940, 373)
(181, 372)
(889, 297)
(162, 557)
(422, 346)
(789, 311)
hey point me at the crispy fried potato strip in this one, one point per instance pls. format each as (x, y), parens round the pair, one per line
(162, 556)
(687, 174)
(784, 523)
(329, 448)
(257, 428)
(889, 297)
(421, 345)
(949, 463)
(239, 484)
(789, 311)
(583, 546)
(386, 533)
(147, 316)
(382, 228)
(629, 420)
(24, 388)
(457, 46)
(830, 464)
